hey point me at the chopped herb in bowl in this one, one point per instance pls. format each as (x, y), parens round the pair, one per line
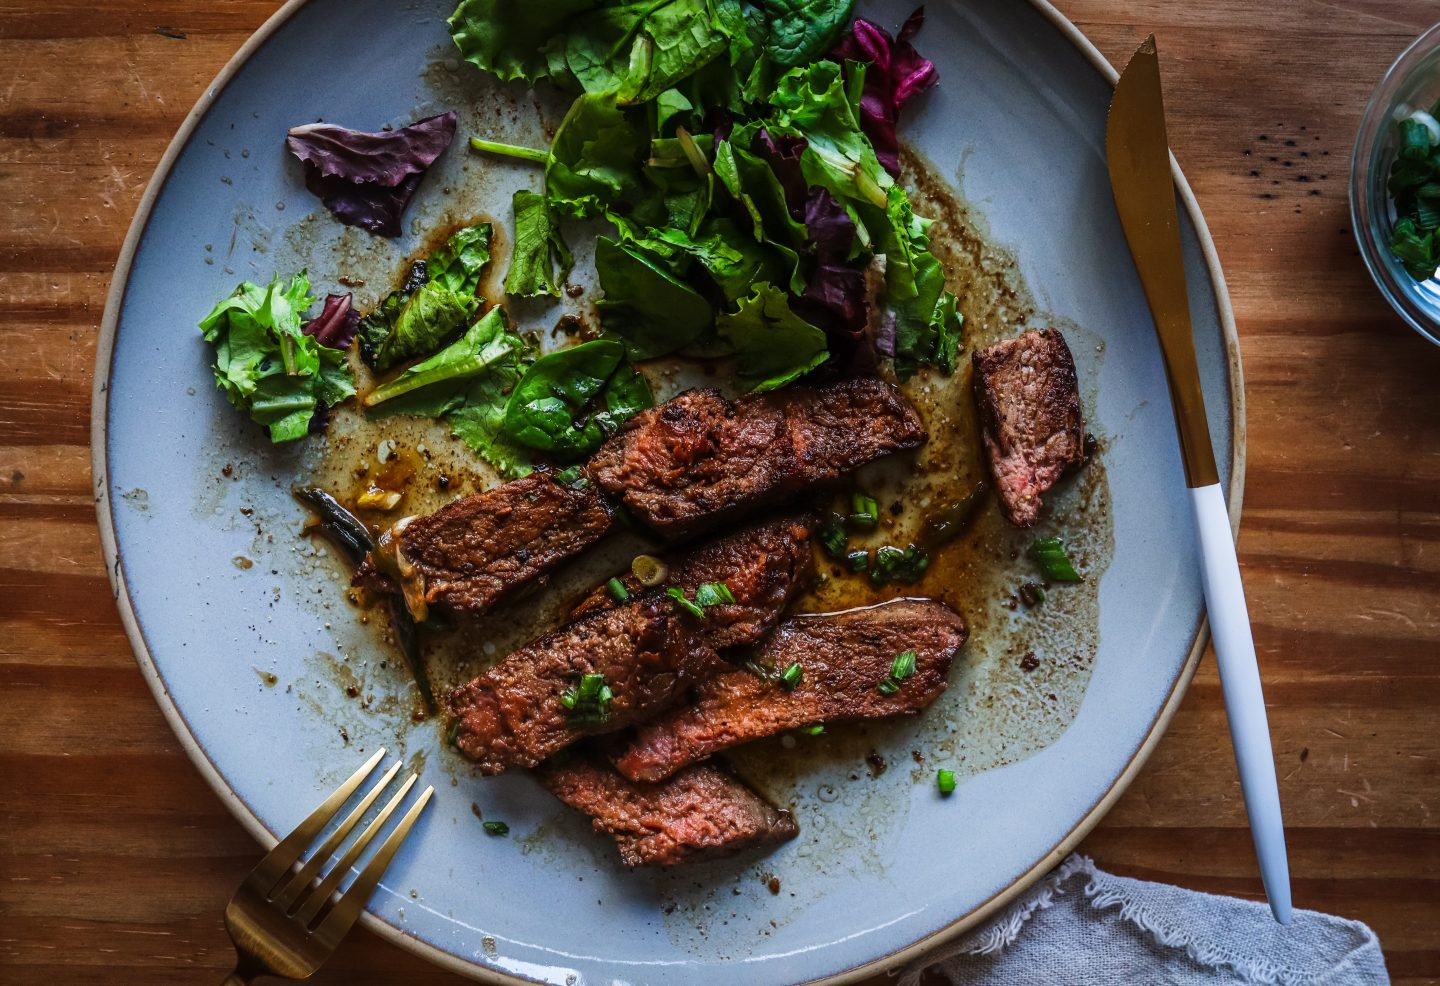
(1415, 192)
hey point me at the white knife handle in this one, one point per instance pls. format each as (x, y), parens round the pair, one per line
(1244, 701)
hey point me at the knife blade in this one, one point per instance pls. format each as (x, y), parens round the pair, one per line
(1138, 157)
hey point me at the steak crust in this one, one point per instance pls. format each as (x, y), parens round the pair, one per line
(843, 657)
(700, 813)
(700, 459)
(1030, 411)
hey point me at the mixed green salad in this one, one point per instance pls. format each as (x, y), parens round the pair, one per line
(744, 156)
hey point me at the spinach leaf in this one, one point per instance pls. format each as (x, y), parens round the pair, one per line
(570, 401)
(645, 305)
(478, 422)
(434, 386)
(775, 346)
(265, 362)
(539, 246)
(753, 183)
(732, 258)
(457, 265)
(506, 38)
(800, 31)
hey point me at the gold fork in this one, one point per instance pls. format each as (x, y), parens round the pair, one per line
(273, 922)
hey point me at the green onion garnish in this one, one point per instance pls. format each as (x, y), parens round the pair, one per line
(714, 594)
(790, 677)
(864, 511)
(833, 538)
(945, 781)
(497, 828)
(816, 730)
(452, 735)
(1050, 554)
(893, 564)
(618, 591)
(589, 701)
(901, 668)
(858, 560)
(678, 594)
(573, 477)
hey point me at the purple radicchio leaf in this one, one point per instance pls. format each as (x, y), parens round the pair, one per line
(783, 156)
(834, 299)
(367, 179)
(336, 324)
(897, 74)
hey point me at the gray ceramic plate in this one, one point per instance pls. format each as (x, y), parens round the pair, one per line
(1018, 123)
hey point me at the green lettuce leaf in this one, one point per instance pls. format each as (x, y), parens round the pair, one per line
(437, 385)
(458, 264)
(752, 182)
(927, 326)
(594, 161)
(774, 345)
(539, 247)
(570, 401)
(646, 305)
(506, 38)
(405, 326)
(265, 363)
(816, 103)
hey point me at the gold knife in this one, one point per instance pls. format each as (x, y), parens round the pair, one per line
(1138, 154)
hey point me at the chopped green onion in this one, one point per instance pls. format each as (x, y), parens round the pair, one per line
(678, 594)
(497, 828)
(887, 687)
(864, 511)
(452, 735)
(588, 702)
(858, 560)
(1050, 554)
(618, 591)
(833, 539)
(904, 665)
(714, 594)
(573, 477)
(893, 564)
(816, 730)
(790, 677)
(945, 781)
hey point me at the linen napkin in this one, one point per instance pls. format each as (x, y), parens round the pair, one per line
(1085, 927)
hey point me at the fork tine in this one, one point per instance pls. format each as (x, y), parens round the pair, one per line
(278, 861)
(352, 902)
(301, 880)
(317, 900)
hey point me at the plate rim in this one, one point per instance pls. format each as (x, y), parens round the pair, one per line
(241, 810)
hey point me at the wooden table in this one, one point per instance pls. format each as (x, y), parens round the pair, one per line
(115, 858)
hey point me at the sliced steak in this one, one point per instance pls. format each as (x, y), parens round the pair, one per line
(475, 552)
(710, 562)
(1030, 411)
(843, 657)
(701, 459)
(700, 813)
(650, 650)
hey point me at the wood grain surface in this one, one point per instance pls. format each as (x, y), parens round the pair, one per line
(116, 860)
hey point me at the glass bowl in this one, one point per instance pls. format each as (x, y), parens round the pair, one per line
(1412, 83)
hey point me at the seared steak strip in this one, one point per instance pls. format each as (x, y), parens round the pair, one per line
(1030, 411)
(473, 553)
(650, 650)
(700, 459)
(700, 813)
(843, 659)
